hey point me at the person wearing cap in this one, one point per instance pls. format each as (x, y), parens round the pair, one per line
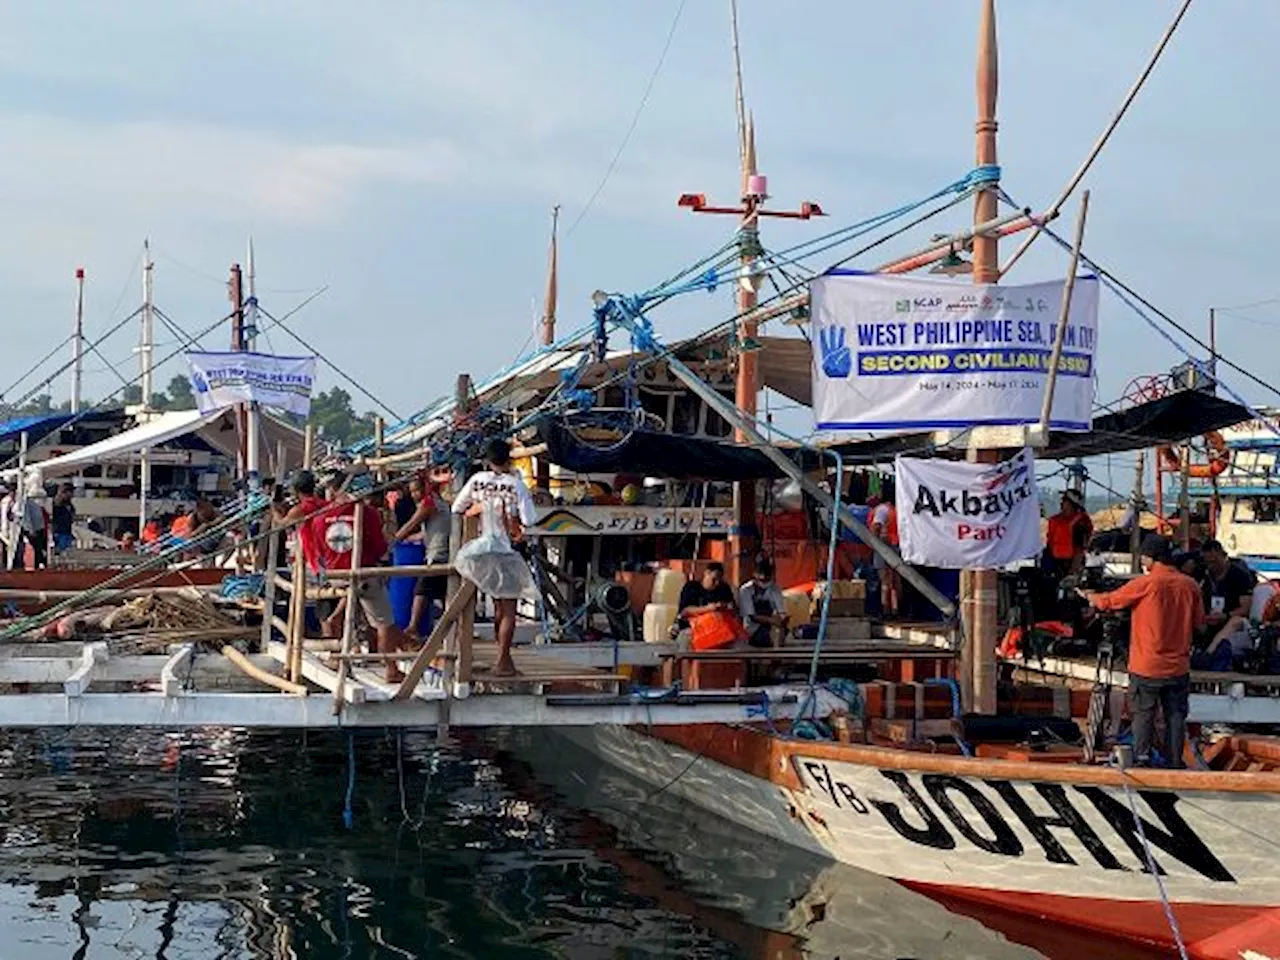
(1167, 610)
(499, 497)
(1067, 540)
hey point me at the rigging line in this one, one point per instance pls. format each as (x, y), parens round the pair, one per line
(70, 363)
(329, 363)
(1116, 281)
(1101, 142)
(635, 120)
(1248, 306)
(176, 329)
(110, 366)
(105, 401)
(37, 365)
(220, 281)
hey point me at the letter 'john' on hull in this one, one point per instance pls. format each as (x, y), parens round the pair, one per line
(1058, 840)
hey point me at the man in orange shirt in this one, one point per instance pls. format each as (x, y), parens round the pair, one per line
(1167, 609)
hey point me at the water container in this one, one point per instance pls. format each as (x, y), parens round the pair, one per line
(401, 588)
(658, 618)
(667, 585)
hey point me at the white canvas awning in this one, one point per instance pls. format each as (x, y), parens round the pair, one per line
(161, 429)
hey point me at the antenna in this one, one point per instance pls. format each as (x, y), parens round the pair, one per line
(77, 344)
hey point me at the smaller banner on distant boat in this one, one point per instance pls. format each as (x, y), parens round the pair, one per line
(967, 515)
(910, 353)
(222, 379)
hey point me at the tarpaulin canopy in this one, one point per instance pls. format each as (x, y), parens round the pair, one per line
(652, 454)
(165, 427)
(1169, 419)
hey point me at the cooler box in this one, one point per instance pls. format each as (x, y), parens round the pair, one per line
(401, 588)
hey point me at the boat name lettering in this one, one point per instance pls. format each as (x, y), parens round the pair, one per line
(938, 808)
(836, 790)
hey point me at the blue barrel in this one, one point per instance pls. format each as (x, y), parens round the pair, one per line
(401, 588)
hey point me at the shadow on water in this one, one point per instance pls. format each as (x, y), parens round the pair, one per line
(231, 844)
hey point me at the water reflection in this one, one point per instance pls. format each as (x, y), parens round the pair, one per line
(131, 844)
(232, 844)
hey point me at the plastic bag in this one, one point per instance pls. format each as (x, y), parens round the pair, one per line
(497, 570)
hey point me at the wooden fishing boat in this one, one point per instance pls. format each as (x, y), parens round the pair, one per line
(1031, 832)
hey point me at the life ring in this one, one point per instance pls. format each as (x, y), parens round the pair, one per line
(1218, 460)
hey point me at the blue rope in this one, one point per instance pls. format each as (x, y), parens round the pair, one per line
(348, 816)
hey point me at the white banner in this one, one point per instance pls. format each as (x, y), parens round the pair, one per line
(221, 379)
(967, 515)
(908, 353)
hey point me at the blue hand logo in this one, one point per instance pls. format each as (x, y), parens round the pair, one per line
(837, 362)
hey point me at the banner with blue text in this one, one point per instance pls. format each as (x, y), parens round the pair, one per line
(910, 353)
(967, 516)
(222, 379)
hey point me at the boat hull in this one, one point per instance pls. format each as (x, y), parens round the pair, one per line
(1047, 840)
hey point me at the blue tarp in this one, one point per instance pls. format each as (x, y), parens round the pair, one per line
(36, 426)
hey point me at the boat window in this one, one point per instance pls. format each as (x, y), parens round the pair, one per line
(684, 415)
(658, 404)
(613, 398)
(717, 426)
(1264, 510)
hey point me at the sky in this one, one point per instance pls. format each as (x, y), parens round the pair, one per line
(406, 158)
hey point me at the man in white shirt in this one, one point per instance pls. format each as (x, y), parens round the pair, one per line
(761, 605)
(499, 497)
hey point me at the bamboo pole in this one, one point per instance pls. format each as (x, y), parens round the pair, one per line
(298, 596)
(465, 597)
(250, 669)
(1135, 535)
(349, 615)
(379, 444)
(1064, 314)
(411, 570)
(269, 588)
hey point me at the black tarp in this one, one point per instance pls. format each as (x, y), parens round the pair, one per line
(1178, 416)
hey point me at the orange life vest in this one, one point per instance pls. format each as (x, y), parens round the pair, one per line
(182, 525)
(1061, 535)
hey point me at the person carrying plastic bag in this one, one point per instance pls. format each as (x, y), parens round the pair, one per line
(499, 497)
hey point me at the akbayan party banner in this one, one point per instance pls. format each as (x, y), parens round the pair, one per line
(908, 353)
(967, 515)
(222, 379)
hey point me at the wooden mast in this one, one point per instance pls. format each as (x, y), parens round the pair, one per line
(978, 588)
(746, 383)
(547, 329)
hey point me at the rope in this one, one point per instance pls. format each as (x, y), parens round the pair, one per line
(1154, 869)
(635, 119)
(348, 816)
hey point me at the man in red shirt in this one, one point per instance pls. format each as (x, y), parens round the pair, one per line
(1167, 609)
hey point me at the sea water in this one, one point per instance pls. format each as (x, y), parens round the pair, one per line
(132, 844)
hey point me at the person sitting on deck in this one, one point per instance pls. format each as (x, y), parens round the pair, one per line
(762, 608)
(1227, 586)
(1167, 610)
(499, 497)
(1068, 536)
(708, 594)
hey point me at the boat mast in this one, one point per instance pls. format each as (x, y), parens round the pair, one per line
(235, 293)
(746, 384)
(978, 588)
(77, 344)
(253, 451)
(547, 329)
(144, 354)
